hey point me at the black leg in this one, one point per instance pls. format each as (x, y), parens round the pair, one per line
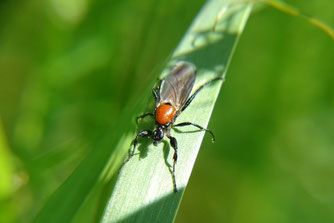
(143, 116)
(198, 126)
(198, 90)
(144, 133)
(173, 143)
(155, 91)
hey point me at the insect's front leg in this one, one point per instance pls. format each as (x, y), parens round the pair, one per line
(144, 133)
(173, 143)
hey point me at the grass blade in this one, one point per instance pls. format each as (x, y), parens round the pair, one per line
(286, 8)
(144, 190)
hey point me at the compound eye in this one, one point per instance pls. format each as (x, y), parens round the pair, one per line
(164, 113)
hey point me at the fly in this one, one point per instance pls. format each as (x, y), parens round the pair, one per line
(172, 97)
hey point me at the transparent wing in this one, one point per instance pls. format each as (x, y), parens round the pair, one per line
(177, 86)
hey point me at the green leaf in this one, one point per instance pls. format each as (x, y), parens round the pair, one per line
(7, 186)
(144, 189)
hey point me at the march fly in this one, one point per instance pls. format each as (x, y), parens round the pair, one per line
(172, 97)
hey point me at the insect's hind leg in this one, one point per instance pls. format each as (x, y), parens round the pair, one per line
(173, 143)
(191, 98)
(198, 126)
(144, 133)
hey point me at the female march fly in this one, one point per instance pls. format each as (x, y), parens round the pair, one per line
(172, 98)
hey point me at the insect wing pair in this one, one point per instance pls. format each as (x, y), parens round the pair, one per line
(177, 86)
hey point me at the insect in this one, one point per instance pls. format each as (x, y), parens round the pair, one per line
(172, 98)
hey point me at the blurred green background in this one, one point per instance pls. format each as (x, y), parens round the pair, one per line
(67, 69)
